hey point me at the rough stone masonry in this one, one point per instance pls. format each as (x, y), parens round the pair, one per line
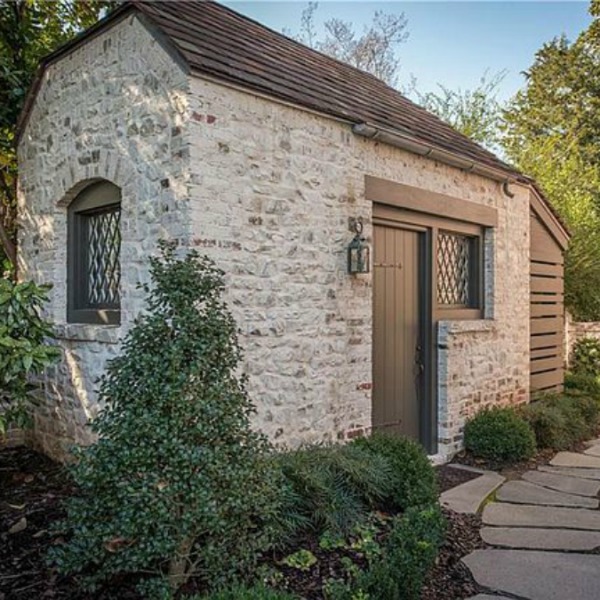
(266, 189)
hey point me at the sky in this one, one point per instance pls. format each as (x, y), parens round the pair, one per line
(453, 43)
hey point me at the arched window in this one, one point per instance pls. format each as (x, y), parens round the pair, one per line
(94, 255)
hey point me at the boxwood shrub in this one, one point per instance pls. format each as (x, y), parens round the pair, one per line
(412, 479)
(500, 435)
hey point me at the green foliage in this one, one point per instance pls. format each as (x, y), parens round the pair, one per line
(408, 554)
(553, 134)
(559, 421)
(412, 479)
(25, 350)
(476, 113)
(499, 434)
(258, 592)
(330, 488)
(585, 359)
(302, 560)
(29, 29)
(178, 484)
(578, 383)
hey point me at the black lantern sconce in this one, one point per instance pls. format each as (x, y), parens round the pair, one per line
(359, 253)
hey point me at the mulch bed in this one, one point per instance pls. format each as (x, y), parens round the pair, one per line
(449, 477)
(514, 471)
(33, 488)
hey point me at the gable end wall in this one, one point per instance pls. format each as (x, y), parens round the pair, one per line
(114, 108)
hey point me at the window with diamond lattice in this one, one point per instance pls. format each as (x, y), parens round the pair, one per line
(94, 255)
(456, 270)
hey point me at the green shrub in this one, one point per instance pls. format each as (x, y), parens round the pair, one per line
(585, 357)
(499, 434)
(179, 483)
(413, 481)
(24, 348)
(330, 488)
(559, 421)
(581, 383)
(258, 592)
(400, 570)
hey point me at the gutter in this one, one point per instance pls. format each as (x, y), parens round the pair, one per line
(408, 143)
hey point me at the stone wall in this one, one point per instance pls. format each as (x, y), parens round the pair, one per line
(113, 109)
(577, 330)
(266, 189)
(272, 190)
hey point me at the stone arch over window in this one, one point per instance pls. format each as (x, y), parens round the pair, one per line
(94, 255)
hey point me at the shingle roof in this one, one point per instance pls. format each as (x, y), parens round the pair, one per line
(219, 42)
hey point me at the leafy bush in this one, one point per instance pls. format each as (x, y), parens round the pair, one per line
(330, 488)
(585, 358)
(499, 434)
(24, 348)
(408, 554)
(581, 383)
(178, 483)
(560, 421)
(412, 480)
(243, 593)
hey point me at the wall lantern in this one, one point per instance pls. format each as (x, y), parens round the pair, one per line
(359, 253)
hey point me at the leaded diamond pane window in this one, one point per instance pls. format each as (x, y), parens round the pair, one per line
(103, 270)
(94, 263)
(456, 270)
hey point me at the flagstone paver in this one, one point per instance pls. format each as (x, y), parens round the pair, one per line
(468, 497)
(523, 492)
(537, 575)
(573, 459)
(564, 483)
(544, 533)
(488, 597)
(534, 538)
(572, 471)
(523, 515)
(593, 451)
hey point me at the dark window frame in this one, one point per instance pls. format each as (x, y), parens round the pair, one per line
(96, 199)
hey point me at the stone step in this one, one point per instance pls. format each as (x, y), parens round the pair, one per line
(537, 575)
(574, 459)
(467, 497)
(488, 597)
(593, 451)
(572, 472)
(523, 492)
(563, 483)
(523, 515)
(541, 539)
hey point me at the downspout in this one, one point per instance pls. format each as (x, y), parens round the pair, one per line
(446, 157)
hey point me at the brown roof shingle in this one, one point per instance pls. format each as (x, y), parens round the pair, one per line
(219, 42)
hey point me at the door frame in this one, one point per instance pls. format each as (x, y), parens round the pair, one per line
(428, 405)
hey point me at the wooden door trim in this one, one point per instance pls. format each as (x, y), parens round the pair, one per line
(407, 197)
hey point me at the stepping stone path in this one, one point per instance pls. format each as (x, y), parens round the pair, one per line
(543, 531)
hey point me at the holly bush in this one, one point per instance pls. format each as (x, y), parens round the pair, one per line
(25, 348)
(178, 484)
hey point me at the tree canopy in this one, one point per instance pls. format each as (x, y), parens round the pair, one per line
(552, 132)
(374, 51)
(29, 29)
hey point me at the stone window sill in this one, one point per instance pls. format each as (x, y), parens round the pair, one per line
(105, 334)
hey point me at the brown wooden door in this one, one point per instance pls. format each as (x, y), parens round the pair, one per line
(397, 374)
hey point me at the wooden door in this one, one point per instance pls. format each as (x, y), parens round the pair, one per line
(397, 347)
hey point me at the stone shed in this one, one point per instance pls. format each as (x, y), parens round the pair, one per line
(188, 121)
